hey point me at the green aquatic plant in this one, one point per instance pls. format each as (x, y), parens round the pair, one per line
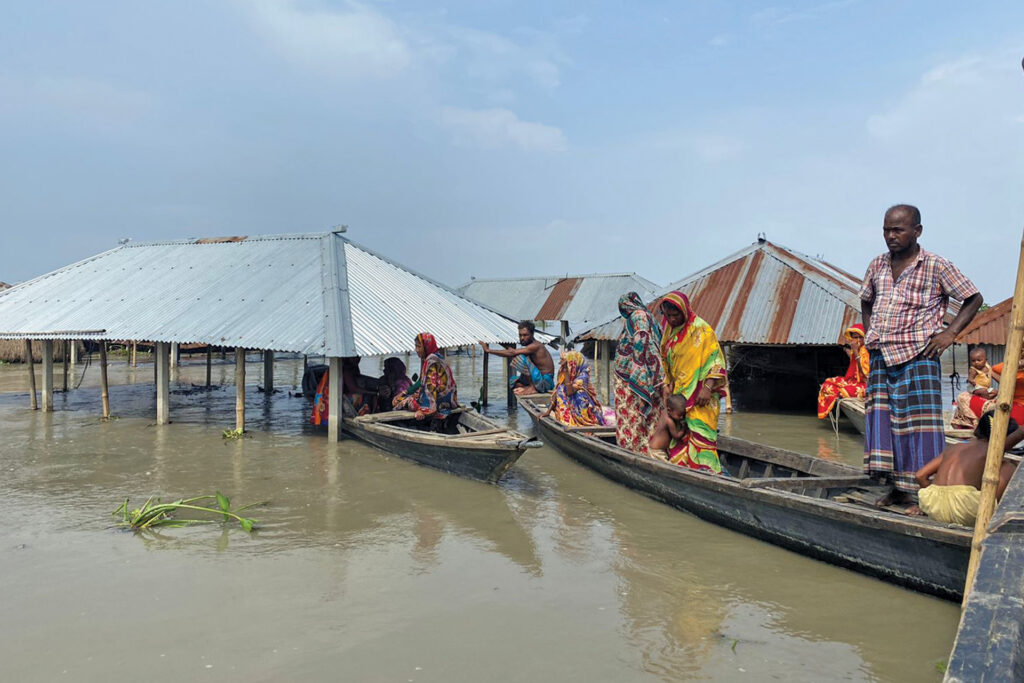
(233, 434)
(156, 514)
(940, 666)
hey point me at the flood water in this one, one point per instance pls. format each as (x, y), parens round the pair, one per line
(367, 567)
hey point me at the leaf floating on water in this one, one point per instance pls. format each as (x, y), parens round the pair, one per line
(156, 514)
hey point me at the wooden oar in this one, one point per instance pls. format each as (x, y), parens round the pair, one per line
(1000, 421)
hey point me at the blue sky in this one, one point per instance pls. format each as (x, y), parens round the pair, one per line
(500, 138)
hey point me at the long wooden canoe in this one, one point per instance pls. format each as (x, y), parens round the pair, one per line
(472, 446)
(813, 506)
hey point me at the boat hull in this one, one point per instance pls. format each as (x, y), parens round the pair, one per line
(917, 554)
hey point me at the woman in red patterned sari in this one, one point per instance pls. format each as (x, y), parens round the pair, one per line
(854, 383)
(638, 375)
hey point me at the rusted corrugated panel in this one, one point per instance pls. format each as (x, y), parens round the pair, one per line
(222, 240)
(559, 298)
(712, 292)
(729, 329)
(787, 296)
(991, 326)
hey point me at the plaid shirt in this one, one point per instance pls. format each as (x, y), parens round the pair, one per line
(907, 313)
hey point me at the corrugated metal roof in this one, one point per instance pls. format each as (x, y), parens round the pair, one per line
(766, 294)
(991, 326)
(576, 298)
(313, 293)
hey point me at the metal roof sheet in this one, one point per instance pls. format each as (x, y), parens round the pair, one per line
(991, 326)
(314, 293)
(576, 298)
(766, 294)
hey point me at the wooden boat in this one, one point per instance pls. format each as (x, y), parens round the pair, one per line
(853, 409)
(813, 506)
(470, 445)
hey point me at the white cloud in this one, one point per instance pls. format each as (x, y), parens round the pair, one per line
(494, 58)
(356, 42)
(499, 128)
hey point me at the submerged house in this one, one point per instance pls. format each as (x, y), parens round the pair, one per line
(779, 315)
(314, 294)
(559, 303)
(989, 330)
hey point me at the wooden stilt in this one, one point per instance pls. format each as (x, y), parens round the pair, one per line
(175, 354)
(64, 366)
(511, 395)
(104, 389)
(135, 354)
(240, 390)
(47, 375)
(30, 364)
(268, 372)
(209, 365)
(334, 400)
(1000, 421)
(163, 383)
(596, 371)
(606, 361)
(74, 352)
(486, 389)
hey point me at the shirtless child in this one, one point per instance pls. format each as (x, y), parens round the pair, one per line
(670, 426)
(533, 370)
(951, 483)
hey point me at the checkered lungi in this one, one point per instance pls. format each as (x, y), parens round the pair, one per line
(903, 419)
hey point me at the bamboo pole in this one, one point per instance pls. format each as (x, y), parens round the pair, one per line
(334, 399)
(268, 372)
(104, 388)
(1000, 421)
(30, 363)
(240, 389)
(163, 384)
(135, 354)
(64, 365)
(209, 364)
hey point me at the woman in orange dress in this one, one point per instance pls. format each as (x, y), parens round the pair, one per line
(854, 383)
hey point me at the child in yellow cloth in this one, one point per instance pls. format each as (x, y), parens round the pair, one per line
(980, 372)
(951, 483)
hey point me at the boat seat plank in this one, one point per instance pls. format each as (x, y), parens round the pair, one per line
(790, 483)
(467, 435)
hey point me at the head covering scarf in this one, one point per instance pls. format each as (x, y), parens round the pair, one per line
(637, 357)
(395, 375)
(435, 392)
(854, 330)
(682, 302)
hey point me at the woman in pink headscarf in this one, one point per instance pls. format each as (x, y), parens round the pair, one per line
(434, 394)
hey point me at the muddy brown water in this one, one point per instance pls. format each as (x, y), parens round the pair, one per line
(367, 567)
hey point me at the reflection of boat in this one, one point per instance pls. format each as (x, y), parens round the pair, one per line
(853, 409)
(471, 445)
(816, 507)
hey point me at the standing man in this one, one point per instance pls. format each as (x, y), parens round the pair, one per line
(904, 297)
(532, 367)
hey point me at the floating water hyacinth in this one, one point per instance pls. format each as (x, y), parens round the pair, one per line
(156, 514)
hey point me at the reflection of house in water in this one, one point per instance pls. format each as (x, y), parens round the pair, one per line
(988, 330)
(780, 317)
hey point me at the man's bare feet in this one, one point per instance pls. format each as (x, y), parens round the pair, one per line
(895, 497)
(524, 391)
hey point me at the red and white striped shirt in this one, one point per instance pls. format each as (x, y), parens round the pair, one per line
(907, 313)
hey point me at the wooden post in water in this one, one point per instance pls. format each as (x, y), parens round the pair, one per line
(487, 366)
(47, 375)
(74, 352)
(31, 364)
(64, 367)
(209, 364)
(240, 389)
(595, 373)
(104, 389)
(175, 354)
(334, 399)
(268, 372)
(1000, 421)
(606, 360)
(163, 383)
(511, 395)
(135, 354)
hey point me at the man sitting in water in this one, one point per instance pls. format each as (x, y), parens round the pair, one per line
(951, 483)
(533, 370)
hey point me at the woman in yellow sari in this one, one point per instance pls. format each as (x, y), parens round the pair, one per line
(695, 369)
